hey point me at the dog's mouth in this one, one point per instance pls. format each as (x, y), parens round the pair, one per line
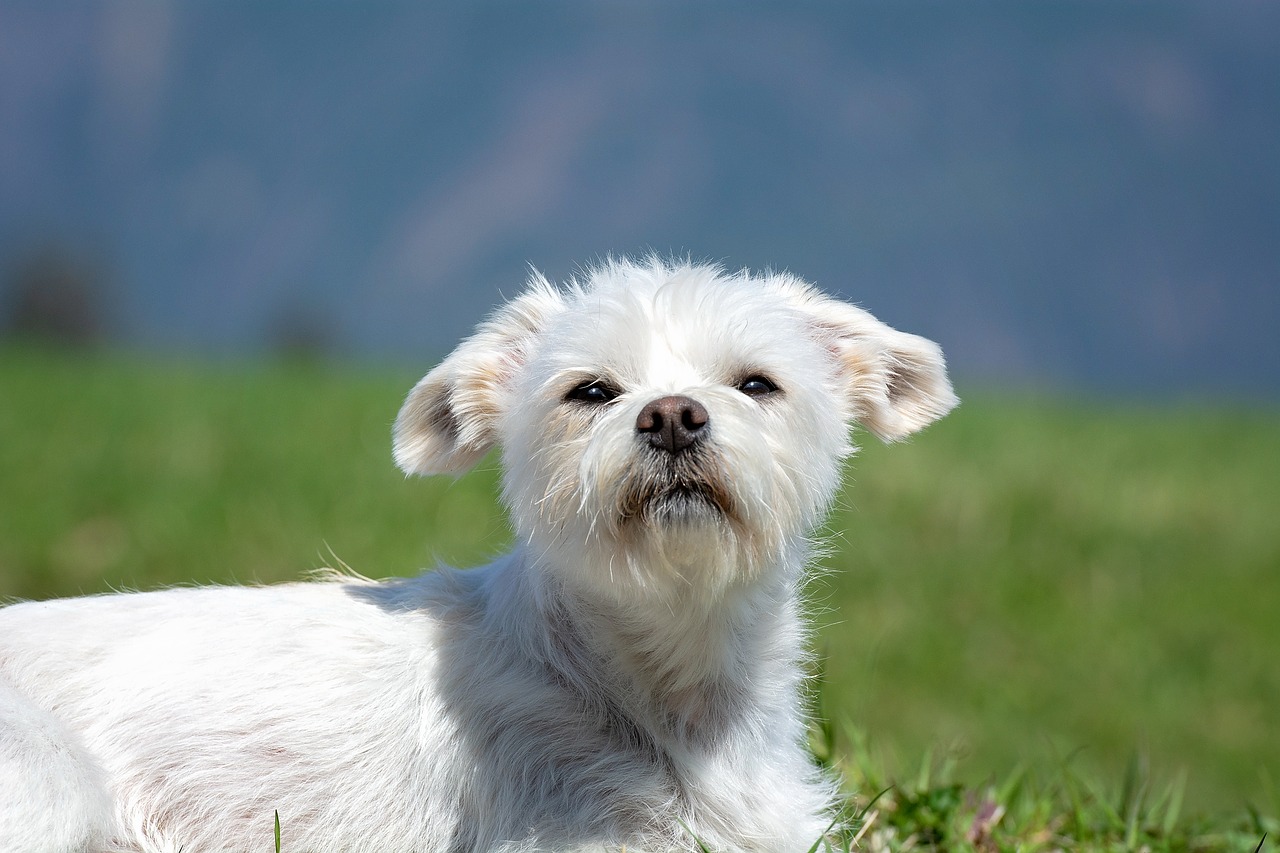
(683, 491)
(686, 504)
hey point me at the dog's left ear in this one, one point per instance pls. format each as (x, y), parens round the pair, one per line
(448, 422)
(895, 383)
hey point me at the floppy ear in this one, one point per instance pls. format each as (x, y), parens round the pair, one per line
(448, 421)
(895, 383)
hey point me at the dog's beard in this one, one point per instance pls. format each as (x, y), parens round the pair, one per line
(677, 523)
(630, 519)
(661, 490)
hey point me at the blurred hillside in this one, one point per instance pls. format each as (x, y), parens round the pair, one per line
(1063, 194)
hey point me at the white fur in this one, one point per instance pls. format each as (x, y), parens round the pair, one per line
(630, 670)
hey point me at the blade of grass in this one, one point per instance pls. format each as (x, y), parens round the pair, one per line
(822, 839)
(701, 847)
(1176, 791)
(863, 829)
(926, 770)
(1133, 794)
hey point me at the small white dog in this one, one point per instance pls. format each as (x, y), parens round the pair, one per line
(629, 676)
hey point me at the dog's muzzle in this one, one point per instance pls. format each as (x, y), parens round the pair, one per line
(679, 479)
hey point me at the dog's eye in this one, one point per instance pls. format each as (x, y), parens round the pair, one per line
(593, 392)
(756, 386)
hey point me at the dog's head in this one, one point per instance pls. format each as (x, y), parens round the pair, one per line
(664, 425)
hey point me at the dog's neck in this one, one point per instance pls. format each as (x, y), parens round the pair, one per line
(687, 666)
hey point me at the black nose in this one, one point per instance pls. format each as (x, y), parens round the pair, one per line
(672, 423)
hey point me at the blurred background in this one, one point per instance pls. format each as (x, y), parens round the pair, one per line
(1068, 193)
(1079, 200)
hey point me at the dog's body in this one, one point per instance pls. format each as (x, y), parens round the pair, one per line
(629, 675)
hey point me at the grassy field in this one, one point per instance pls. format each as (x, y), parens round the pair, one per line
(1065, 610)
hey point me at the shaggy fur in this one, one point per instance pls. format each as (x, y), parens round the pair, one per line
(629, 674)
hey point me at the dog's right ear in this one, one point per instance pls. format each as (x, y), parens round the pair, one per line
(448, 421)
(894, 383)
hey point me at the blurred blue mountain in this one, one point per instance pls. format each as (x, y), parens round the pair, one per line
(1067, 194)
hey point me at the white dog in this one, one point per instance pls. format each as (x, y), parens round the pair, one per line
(628, 676)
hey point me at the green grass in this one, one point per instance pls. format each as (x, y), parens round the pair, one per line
(1057, 607)
(1046, 808)
(1031, 580)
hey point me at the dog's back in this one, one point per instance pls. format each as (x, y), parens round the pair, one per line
(210, 709)
(363, 713)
